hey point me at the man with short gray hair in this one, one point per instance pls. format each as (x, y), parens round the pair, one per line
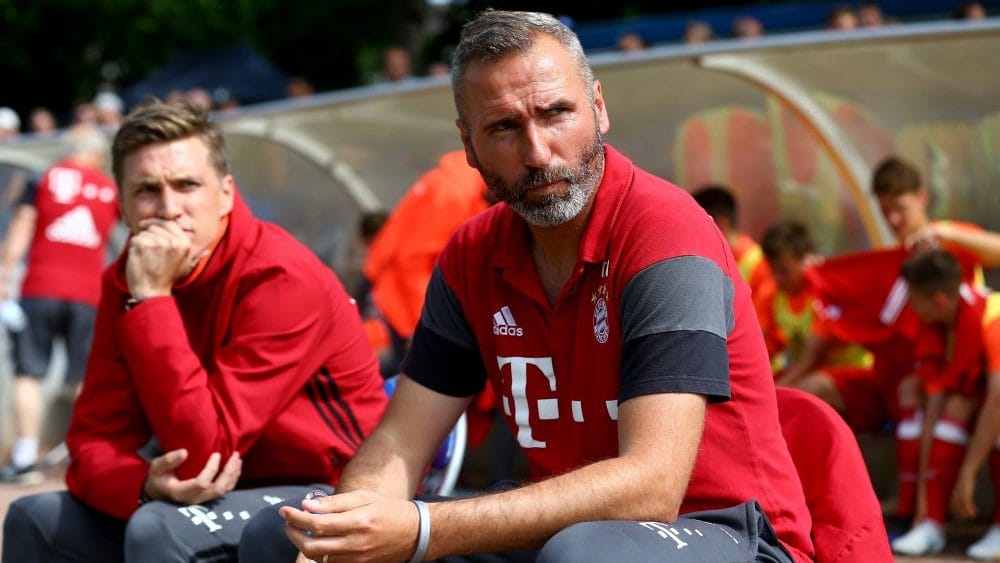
(606, 312)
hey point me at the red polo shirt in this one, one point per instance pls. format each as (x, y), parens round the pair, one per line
(655, 305)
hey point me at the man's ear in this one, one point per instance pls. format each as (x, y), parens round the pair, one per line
(603, 121)
(228, 187)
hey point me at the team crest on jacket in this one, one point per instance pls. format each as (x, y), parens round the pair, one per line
(600, 300)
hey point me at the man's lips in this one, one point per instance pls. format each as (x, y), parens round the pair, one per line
(547, 187)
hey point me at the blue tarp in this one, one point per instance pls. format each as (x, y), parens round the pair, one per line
(238, 70)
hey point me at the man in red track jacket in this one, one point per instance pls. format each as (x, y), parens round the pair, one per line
(229, 370)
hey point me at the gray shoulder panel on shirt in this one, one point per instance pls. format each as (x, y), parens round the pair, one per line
(682, 293)
(442, 313)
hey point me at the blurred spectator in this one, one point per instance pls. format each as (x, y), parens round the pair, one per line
(299, 87)
(42, 122)
(439, 68)
(371, 223)
(698, 32)
(85, 112)
(396, 65)
(970, 11)
(870, 15)
(631, 42)
(10, 124)
(376, 330)
(176, 96)
(747, 27)
(841, 18)
(199, 99)
(402, 256)
(110, 109)
(64, 219)
(225, 100)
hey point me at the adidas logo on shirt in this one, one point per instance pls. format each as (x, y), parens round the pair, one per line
(504, 324)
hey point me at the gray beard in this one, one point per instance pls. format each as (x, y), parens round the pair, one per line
(554, 209)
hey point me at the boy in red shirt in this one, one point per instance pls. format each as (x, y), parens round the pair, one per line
(948, 352)
(803, 353)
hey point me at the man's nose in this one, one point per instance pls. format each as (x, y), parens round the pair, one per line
(535, 152)
(169, 205)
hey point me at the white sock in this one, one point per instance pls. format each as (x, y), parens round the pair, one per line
(25, 452)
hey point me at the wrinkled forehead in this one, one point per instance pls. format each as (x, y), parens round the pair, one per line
(544, 70)
(180, 156)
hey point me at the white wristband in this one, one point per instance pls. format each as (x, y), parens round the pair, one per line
(423, 531)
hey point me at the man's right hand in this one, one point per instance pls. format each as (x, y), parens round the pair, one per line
(158, 256)
(210, 484)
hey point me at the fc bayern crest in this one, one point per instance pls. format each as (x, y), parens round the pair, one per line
(601, 328)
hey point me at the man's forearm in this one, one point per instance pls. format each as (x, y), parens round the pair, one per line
(393, 458)
(987, 428)
(646, 482)
(613, 489)
(985, 244)
(380, 466)
(17, 240)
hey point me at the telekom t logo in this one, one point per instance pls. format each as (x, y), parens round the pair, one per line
(548, 409)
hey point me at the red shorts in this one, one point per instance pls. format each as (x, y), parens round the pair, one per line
(866, 406)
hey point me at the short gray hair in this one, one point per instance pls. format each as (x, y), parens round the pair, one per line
(494, 35)
(84, 140)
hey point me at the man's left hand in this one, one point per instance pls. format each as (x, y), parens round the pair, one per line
(211, 483)
(354, 526)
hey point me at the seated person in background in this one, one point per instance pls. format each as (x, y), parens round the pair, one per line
(631, 42)
(970, 11)
(803, 353)
(870, 15)
(229, 370)
(697, 32)
(842, 18)
(718, 201)
(949, 354)
(631, 366)
(747, 27)
(903, 199)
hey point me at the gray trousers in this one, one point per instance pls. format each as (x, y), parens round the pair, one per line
(57, 527)
(737, 534)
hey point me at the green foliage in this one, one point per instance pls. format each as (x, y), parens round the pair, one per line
(56, 53)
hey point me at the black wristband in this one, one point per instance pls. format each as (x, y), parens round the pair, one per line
(132, 303)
